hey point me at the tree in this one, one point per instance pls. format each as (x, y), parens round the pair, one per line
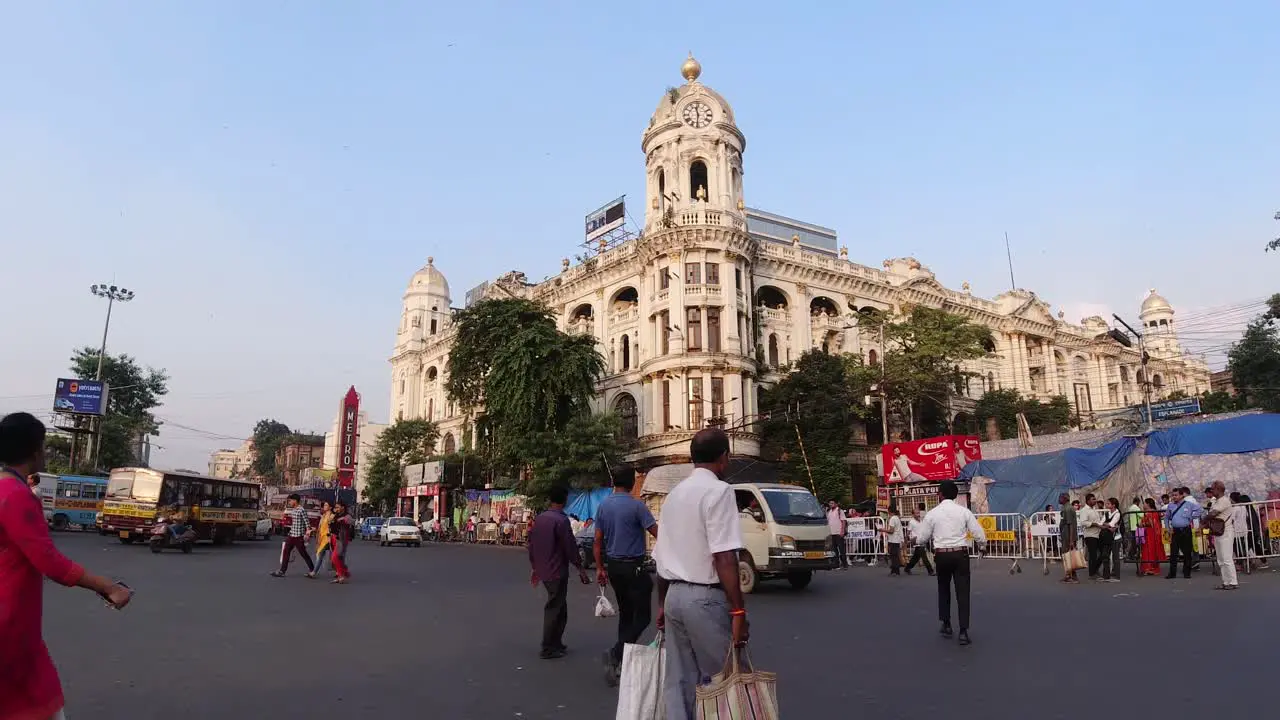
(268, 437)
(406, 442)
(134, 392)
(813, 404)
(581, 455)
(532, 380)
(1274, 244)
(1254, 361)
(924, 352)
(1004, 405)
(1217, 401)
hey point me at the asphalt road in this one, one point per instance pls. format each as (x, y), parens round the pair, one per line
(452, 632)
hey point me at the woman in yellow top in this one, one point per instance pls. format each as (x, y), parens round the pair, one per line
(323, 548)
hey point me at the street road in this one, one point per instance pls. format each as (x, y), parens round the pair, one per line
(448, 631)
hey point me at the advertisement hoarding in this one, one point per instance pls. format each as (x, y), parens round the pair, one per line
(609, 217)
(348, 438)
(82, 397)
(929, 460)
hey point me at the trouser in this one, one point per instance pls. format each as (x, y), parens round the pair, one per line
(634, 589)
(920, 553)
(1131, 544)
(1117, 545)
(1180, 545)
(321, 555)
(1106, 546)
(699, 632)
(837, 544)
(1226, 560)
(555, 614)
(953, 565)
(286, 551)
(1091, 546)
(895, 558)
(338, 556)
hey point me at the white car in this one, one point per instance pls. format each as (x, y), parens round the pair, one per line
(262, 530)
(400, 530)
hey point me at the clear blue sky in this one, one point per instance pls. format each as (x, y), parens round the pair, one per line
(267, 176)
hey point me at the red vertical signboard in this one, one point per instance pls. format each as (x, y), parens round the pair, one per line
(348, 438)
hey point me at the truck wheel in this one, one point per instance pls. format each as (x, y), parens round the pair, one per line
(60, 522)
(800, 580)
(747, 576)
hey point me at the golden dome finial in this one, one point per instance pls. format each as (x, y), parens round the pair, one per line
(691, 69)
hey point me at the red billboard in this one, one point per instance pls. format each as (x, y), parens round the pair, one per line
(348, 438)
(929, 460)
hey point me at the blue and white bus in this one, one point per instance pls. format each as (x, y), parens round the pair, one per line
(72, 500)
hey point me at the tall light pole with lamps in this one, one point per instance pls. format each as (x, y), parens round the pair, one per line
(113, 294)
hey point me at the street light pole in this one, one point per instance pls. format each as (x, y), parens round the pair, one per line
(113, 294)
(1142, 360)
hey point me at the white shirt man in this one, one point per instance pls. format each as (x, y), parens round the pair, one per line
(1224, 544)
(696, 555)
(949, 526)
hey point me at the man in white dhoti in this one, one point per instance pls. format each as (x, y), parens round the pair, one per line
(1223, 544)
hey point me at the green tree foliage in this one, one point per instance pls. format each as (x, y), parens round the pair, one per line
(1274, 244)
(268, 437)
(406, 442)
(924, 351)
(1216, 401)
(581, 455)
(134, 392)
(817, 398)
(533, 381)
(1004, 405)
(1254, 361)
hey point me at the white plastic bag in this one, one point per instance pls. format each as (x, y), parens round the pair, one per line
(640, 688)
(604, 608)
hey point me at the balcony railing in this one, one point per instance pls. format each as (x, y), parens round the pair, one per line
(771, 315)
(624, 316)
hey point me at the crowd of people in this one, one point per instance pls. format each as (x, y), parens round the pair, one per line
(333, 536)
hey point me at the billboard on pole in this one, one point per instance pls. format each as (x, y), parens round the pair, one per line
(80, 397)
(932, 459)
(348, 439)
(609, 216)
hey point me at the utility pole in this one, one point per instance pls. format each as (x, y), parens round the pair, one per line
(1142, 356)
(113, 294)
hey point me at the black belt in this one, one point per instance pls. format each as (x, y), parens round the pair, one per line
(638, 559)
(713, 586)
(951, 550)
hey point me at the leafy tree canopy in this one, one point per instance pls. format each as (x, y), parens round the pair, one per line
(406, 442)
(268, 436)
(1254, 361)
(1004, 405)
(583, 454)
(1216, 401)
(134, 392)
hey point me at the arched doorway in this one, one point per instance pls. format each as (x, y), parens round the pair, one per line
(624, 406)
(450, 445)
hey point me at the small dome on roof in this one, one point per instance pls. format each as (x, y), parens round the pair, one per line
(691, 70)
(429, 280)
(1156, 302)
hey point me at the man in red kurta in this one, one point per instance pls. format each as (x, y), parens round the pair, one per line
(29, 687)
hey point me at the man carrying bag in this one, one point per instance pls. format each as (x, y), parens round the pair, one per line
(640, 687)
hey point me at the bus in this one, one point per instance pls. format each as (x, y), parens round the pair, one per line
(217, 509)
(72, 500)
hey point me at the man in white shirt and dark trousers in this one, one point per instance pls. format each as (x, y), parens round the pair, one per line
(949, 526)
(893, 539)
(700, 604)
(921, 551)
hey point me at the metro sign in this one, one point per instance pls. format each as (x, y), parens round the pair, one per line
(348, 438)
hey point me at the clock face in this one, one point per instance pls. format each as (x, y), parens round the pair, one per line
(697, 114)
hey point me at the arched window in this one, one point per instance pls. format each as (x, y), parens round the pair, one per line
(432, 373)
(1124, 374)
(698, 181)
(872, 357)
(450, 445)
(662, 190)
(625, 407)
(773, 350)
(626, 352)
(1157, 380)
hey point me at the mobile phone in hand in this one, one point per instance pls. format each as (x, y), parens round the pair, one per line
(107, 601)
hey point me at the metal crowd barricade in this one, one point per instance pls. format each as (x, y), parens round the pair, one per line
(864, 540)
(1006, 537)
(1043, 538)
(1256, 532)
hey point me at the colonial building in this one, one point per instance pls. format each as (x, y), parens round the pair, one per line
(227, 463)
(701, 309)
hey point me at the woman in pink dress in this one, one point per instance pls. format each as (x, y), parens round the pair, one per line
(29, 686)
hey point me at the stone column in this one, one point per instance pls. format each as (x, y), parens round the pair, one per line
(729, 310)
(801, 327)
(676, 304)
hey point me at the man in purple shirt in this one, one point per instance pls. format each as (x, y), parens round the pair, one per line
(551, 550)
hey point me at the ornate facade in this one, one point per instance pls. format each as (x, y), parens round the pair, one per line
(696, 314)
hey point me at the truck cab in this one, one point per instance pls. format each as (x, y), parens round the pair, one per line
(784, 535)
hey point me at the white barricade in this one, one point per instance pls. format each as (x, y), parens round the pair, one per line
(1006, 537)
(1256, 527)
(863, 539)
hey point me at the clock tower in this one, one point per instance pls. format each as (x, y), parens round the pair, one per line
(693, 153)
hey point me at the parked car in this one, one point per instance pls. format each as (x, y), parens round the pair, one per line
(370, 527)
(400, 530)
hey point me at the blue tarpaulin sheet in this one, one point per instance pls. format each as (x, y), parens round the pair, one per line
(1250, 433)
(584, 503)
(1027, 484)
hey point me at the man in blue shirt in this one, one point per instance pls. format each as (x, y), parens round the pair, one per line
(1180, 518)
(621, 522)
